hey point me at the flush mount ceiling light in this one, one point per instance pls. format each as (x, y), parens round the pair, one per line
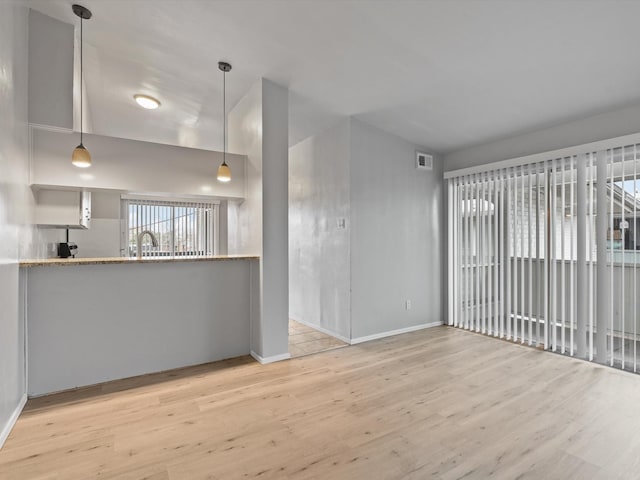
(224, 172)
(145, 101)
(81, 156)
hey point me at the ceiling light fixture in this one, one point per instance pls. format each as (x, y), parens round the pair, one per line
(81, 156)
(224, 172)
(145, 101)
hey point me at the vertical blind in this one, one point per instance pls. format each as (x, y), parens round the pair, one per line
(181, 228)
(546, 254)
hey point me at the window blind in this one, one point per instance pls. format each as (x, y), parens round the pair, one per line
(181, 228)
(545, 254)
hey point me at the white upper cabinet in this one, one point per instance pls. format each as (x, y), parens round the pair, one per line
(63, 209)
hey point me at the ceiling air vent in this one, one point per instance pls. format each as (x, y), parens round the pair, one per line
(424, 161)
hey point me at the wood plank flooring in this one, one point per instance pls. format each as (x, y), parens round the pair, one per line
(305, 340)
(440, 403)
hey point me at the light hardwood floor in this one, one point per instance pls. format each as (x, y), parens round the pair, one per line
(305, 340)
(441, 403)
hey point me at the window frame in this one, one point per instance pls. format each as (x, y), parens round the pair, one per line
(172, 202)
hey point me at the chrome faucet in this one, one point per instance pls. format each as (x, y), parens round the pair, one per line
(154, 241)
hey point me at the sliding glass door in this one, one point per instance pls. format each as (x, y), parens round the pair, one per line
(545, 254)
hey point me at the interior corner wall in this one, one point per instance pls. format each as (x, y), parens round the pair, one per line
(17, 238)
(397, 235)
(606, 125)
(319, 230)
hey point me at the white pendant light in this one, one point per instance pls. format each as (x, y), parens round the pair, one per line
(81, 156)
(224, 172)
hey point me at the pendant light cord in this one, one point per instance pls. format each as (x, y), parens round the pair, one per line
(224, 117)
(81, 70)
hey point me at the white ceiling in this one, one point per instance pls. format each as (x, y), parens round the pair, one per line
(443, 74)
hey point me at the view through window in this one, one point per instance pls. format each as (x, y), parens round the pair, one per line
(179, 228)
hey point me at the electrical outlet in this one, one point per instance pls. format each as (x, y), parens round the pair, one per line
(407, 304)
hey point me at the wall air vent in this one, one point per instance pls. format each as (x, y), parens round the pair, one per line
(424, 161)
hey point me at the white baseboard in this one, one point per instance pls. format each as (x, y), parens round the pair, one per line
(4, 434)
(324, 330)
(391, 333)
(271, 359)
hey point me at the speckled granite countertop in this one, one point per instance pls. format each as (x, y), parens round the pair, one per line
(57, 262)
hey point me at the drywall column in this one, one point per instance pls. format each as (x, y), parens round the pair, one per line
(275, 220)
(603, 280)
(258, 128)
(581, 293)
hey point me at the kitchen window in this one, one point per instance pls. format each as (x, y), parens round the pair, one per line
(181, 229)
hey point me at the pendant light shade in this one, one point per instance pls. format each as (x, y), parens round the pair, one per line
(224, 172)
(81, 156)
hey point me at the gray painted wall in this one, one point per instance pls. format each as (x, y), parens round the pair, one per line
(128, 320)
(51, 52)
(396, 234)
(133, 166)
(354, 282)
(319, 244)
(591, 129)
(17, 238)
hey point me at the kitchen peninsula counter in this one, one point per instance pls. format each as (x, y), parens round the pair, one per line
(112, 318)
(63, 262)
